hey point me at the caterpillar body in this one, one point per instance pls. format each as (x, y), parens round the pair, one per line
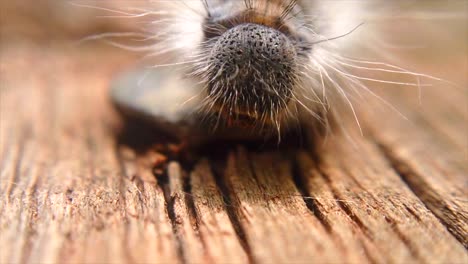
(247, 69)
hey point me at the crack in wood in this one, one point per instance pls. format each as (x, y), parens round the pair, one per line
(347, 209)
(122, 175)
(31, 205)
(360, 224)
(415, 182)
(413, 213)
(310, 203)
(354, 218)
(301, 182)
(23, 171)
(340, 200)
(163, 183)
(194, 218)
(404, 239)
(18, 160)
(217, 170)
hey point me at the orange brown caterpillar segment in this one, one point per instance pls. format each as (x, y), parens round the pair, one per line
(270, 13)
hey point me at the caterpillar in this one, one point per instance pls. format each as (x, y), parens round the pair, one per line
(248, 68)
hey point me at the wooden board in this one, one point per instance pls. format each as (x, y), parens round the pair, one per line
(75, 188)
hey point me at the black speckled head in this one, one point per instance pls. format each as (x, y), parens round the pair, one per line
(252, 69)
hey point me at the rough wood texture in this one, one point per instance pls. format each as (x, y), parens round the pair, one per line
(75, 189)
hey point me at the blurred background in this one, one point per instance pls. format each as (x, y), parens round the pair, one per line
(59, 20)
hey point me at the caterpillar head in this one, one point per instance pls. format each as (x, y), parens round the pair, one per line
(258, 63)
(251, 72)
(252, 55)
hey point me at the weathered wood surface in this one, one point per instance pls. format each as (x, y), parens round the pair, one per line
(75, 189)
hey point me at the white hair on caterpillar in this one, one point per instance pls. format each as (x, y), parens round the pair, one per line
(312, 42)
